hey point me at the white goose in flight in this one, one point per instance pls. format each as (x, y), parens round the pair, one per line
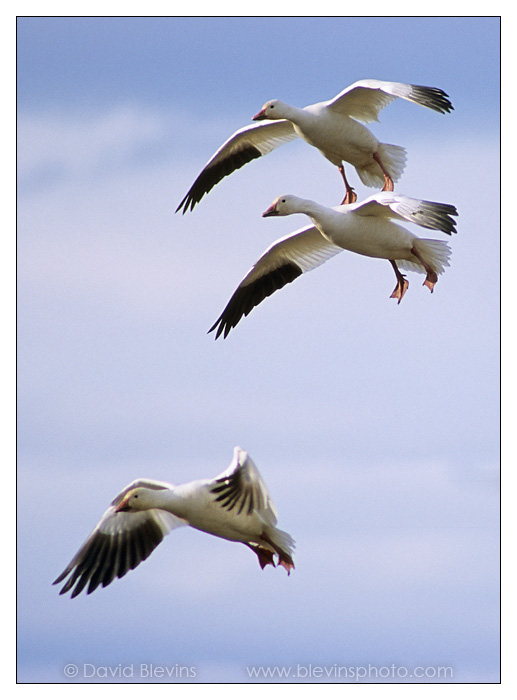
(366, 228)
(333, 127)
(236, 506)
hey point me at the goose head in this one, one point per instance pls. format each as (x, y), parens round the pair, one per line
(283, 206)
(274, 109)
(136, 500)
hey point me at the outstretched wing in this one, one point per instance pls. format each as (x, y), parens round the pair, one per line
(244, 146)
(119, 543)
(241, 489)
(282, 262)
(364, 99)
(431, 215)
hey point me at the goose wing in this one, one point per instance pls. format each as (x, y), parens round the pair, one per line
(284, 261)
(119, 542)
(246, 144)
(240, 489)
(364, 99)
(431, 215)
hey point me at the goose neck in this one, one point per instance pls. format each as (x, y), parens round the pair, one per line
(317, 212)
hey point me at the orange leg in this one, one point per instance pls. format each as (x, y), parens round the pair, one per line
(350, 196)
(402, 283)
(265, 557)
(388, 182)
(283, 558)
(432, 277)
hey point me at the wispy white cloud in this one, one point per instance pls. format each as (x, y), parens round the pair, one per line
(80, 143)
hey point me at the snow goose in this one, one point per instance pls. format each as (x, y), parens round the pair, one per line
(333, 127)
(364, 227)
(236, 506)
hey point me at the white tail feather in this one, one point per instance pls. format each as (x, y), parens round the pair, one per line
(282, 539)
(435, 253)
(393, 159)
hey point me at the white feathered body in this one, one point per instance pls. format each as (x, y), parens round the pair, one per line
(196, 503)
(377, 237)
(340, 138)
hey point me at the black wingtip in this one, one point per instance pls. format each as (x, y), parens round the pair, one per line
(247, 297)
(221, 325)
(185, 203)
(212, 174)
(434, 98)
(61, 577)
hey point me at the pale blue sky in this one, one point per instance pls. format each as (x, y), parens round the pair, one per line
(376, 426)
